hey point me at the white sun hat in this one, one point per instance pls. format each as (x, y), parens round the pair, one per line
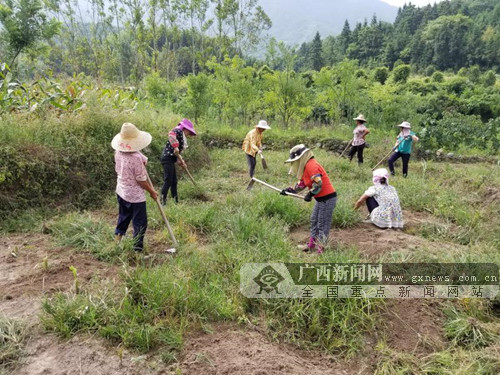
(405, 124)
(130, 139)
(360, 118)
(263, 125)
(296, 153)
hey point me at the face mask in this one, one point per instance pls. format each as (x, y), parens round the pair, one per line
(185, 140)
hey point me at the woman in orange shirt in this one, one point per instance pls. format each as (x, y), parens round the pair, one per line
(313, 176)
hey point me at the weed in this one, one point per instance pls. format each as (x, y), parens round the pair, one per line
(13, 335)
(469, 332)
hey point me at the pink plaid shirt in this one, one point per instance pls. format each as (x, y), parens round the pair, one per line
(130, 168)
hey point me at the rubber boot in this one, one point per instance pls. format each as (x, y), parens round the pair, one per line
(310, 245)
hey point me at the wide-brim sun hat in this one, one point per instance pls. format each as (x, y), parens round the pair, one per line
(188, 125)
(296, 153)
(131, 139)
(263, 125)
(404, 124)
(360, 118)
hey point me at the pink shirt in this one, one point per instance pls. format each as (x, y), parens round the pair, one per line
(358, 135)
(130, 168)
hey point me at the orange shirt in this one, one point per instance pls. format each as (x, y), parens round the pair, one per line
(313, 169)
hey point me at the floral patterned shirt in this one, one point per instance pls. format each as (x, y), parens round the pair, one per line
(358, 132)
(175, 140)
(130, 168)
(388, 214)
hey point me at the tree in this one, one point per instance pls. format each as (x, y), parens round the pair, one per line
(339, 89)
(25, 25)
(198, 95)
(401, 73)
(315, 53)
(446, 36)
(381, 74)
(286, 95)
(489, 78)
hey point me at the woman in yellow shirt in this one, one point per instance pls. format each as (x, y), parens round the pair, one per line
(252, 145)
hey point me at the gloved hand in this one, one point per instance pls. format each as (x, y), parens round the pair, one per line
(308, 197)
(288, 190)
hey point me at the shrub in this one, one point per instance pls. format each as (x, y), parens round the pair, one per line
(429, 71)
(401, 73)
(489, 78)
(381, 74)
(437, 77)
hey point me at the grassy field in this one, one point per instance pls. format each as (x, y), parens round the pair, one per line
(220, 226)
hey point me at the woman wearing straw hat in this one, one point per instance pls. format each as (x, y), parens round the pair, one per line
(382, 202)
(358, 142)
(403, 147)
(176, 144)
(130, 166)
(313, 176)
(252, 145)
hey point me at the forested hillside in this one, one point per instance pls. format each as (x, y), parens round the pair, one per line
(448, 35)
(123, 41)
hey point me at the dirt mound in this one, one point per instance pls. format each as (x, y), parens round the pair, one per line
(414, 325)
(235, 351)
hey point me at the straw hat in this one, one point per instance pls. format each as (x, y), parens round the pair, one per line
(263, 125)
(296, 153)
(131, 139)
(360, 118)
(405, 124)
(188, 125)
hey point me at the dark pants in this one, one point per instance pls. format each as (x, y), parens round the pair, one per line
(371, 204)
(359, 149)
(169, 179)
(396, 156)
(137, 213)
(252, 162)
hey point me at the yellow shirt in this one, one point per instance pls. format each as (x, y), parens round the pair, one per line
(252, 142)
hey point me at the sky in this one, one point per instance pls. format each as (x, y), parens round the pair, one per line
(400, 3)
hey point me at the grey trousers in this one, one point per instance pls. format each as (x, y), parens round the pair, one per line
(252, 162)
(321, 220)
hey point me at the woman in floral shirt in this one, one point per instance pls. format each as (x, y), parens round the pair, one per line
(358, 142)
(382, 201)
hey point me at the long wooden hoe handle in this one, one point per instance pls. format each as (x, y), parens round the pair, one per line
(162, 212)
(277, 189)
(183, 165)
(386, 156)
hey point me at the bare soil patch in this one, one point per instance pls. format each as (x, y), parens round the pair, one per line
(236, 351)
(414, 326)
(25, 276)
(80, 355)
(372, 242)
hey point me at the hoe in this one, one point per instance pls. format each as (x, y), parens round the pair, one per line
(254, 180)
